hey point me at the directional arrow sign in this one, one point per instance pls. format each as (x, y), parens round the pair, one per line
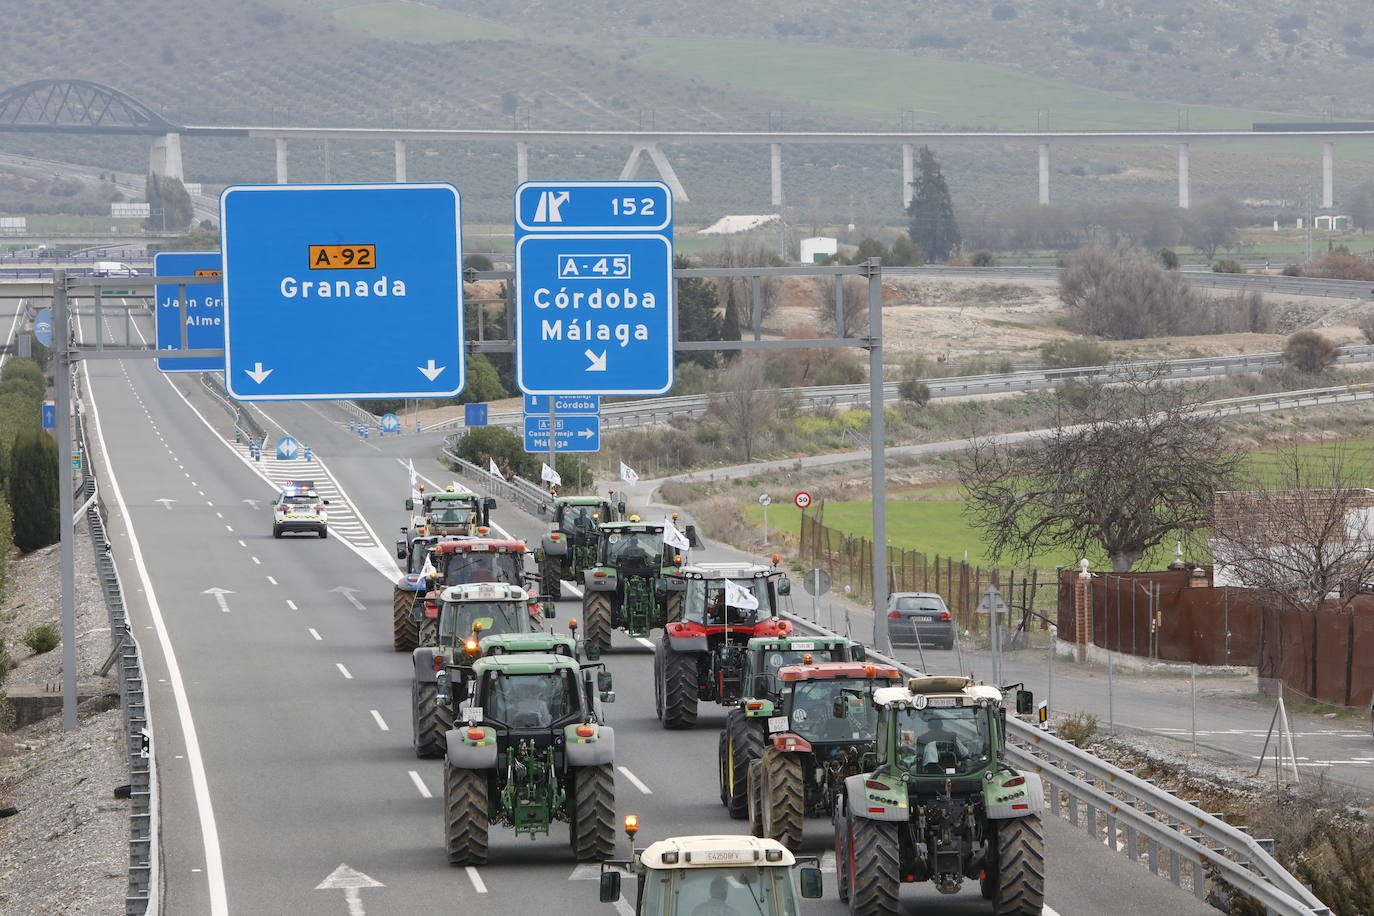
(594, 287)
(348, 594)
(572, 434)
(287, 448)
(351, 882)
(204, 310)
(219, 594)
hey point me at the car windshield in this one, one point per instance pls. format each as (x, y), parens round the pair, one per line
(705, 601)
(912, 603)
(943, 741)
(833, 710)
(458, 618)
(290, 501)
(635, 546)
(578, 519)
(464, 567)
(718, 892)
(530, 700)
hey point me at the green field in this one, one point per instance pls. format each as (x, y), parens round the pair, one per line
(422, 24)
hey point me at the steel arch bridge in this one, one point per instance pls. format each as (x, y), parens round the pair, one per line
(77, 106)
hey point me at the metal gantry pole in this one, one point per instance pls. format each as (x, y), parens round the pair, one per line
(62, 383)
(874, 271)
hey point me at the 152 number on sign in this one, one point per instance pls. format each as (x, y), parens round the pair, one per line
(629, 206)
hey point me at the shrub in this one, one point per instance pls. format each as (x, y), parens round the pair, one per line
(1340, 267)
(1228, 266)
(983, 259)
(1366, 326)
(6, 713)
(43, 637)
(477, 262)
(1078, 728)
(842, 370)
(33, 489)
(24, 369)
(1291, 270)
(1169, 258)
(905, 253)
(1067, 352)
(6, 662)
(1309, 353)
(914, 391)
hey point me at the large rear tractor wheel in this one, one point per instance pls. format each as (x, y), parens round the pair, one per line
(596, 620)
(741, 745)
(429, 719)
(841, 853)
(753, 791)
(1020, 869)
(551, 579)
(592, 828)
(673, 607)
(874, 880)
(677, 687)
(467, 820)
(404, 627)
(782, 803)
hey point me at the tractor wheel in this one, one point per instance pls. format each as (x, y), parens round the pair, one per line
(673, 607)
(722, 766)
(874, 881)
(429, 720)
(404, 628)
(592, 827)
(551, 579)
(841, 852)
(677, 676)
(467, 819)
(596, 620)
(659, 649)
(752, 801)
(1020, 867)
(742, 744)
(782, 801)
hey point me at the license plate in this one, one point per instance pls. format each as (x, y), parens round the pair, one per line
(804, 646)
(778, 724)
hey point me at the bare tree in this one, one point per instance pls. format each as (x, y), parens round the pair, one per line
(1129, 467)
(744, 404)
(1124, 295)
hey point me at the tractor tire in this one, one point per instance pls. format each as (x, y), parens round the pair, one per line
(841, 853)
(782, 799)
(429, 720)
(659, 649)
(596, 620)
(874, 880)
(467, 819)
(404, 627)
(677, 680)
(1020, 867)
(551, 580)
(752, 801)
(722, 754)
(673, 607)
(742, 743)
(591, 829)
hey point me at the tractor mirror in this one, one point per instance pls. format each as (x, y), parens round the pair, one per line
(1025, 702)
(610, 886)
(608, 696)
(459, 691)
(840, 708)
(593, 651)
(489, 503)
(784, 586)
(548, 610)
(603, 680)
(858, 653)
(400, 548)
(811, 884)
(410, 505)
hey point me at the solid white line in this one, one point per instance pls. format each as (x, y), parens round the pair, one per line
(638, 783)
(343, 670)
(291, 604)
(476, 880)
(214, 865)
(644, 642)
(381, 723)
(420, 784)
(313, 632)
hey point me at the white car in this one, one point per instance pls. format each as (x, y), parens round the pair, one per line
(299, 508)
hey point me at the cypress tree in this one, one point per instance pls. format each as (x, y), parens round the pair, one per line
(33, 489)
(933, 227)
(696, 314)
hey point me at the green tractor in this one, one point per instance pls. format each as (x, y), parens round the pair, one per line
(532, 749)
(632, 586)
(451, 512)
(469, 621)
(570, 549)
(941, 804)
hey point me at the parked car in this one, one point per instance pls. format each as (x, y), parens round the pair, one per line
(919, 615)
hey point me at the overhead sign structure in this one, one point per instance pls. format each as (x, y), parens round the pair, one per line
(342, 291)
(204, 310)
(572, 433)
(287, 448)
(594, 287)
(42, 327)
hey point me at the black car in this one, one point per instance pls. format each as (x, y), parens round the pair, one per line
(923, 616)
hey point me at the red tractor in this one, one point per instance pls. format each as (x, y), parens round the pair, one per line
(451, 562)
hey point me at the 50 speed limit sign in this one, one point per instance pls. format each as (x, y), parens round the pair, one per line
(802, 499)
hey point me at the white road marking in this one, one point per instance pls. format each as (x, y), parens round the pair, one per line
(638, 783)
(229, 528)
(256, 560)
(313, 632)
(420, 784)
(272, 580)
(343, 670)
(220, 514)
(241, 543)
(476, 880)
(381, 723)
(291, 604)
(644, 642)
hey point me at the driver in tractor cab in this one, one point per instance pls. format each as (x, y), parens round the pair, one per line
(934, 745)
(518, 703)
(579, 519)
(716, 906)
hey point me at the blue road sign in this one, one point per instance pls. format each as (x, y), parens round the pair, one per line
(573, 434)
(585, 405)
(42, 327)
(474, 414)
(49, 415)
(594, 287)
(204, 310)
(389, 423)
(342, 291)
(288, 449)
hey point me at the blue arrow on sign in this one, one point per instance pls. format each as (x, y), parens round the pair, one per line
(49, 415)
(42, 327)
(572, 434)
(287, 449)
(204, 310)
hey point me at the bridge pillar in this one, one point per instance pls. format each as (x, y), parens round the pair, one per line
(1044, 173)
(400, 160)
(775, 170)
(665, 169)
(281, 160)
(908, 174)
(1183, 198)
(522, 162)
(1328, 186)
(165, 158)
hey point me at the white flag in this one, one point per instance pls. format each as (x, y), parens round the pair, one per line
(549, 475)
(628, 474)
(495, 471)
(418, 496)
(414, 478)
(738, 597)
(672, 537)
(428, 569)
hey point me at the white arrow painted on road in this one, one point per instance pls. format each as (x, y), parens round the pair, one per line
(348, 593)
(252, 503)
(258, 373)
(166, 503)
(598, 361)
(431, 371)
(219, 594)
(351, 882)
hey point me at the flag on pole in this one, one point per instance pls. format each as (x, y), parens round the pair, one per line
(414, 478)
(495, 471)
(549, 475)
(739, 598)
(672, 537)
(628, 474)
(428, 569)
(418, 496)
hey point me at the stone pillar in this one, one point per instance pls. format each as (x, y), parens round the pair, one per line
(1044, 173)
(1082, 635)
(522, 162)
(908, 174)
(400, 160)
(164, 160)
(281, 160)
(1328, 197)
(776, 163)
(1183, 197)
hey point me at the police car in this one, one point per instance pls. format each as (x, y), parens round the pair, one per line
(299, 508)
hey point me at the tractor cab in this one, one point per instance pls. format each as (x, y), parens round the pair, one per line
(570, 548)
(769, 654)
(635, 549)
(707, 597)
(453, 512)
(485, 609)
(461, 561)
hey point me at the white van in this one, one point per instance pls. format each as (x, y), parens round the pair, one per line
(113, 269)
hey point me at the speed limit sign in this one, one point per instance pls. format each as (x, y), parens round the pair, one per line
(802, 499)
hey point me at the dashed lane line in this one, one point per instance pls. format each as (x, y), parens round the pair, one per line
(314, 634)
(291, 604)
(420, 784)
(477, 884)
(343, 670)
(381, 723)
(635, 780)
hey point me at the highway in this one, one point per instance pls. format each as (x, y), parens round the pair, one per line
(281, 714)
